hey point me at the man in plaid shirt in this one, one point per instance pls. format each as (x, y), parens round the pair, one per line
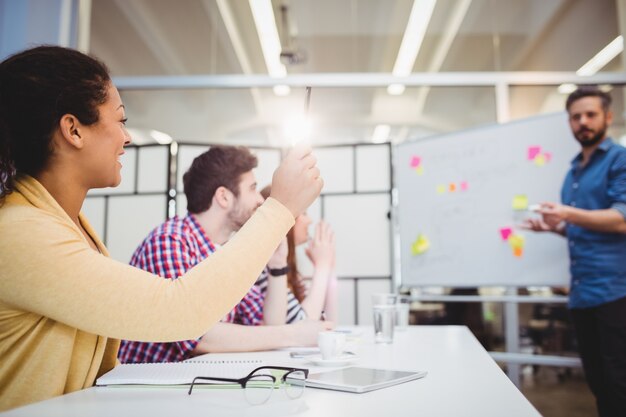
(221, 196)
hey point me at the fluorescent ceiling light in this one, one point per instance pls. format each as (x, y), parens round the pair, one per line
(413, 36)
(595, 64)
(381, 134)
(265, 22)
(567, 88)
(450, 32)
(139, 136)
(282, 90)
(145, 136)
(602, 58)
(421, 13)
(395, 89)
(160, 137)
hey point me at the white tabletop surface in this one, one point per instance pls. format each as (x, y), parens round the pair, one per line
(462, 380)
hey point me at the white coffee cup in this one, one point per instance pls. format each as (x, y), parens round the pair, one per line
(331, 344)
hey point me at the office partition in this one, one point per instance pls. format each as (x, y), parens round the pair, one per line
(356, 201)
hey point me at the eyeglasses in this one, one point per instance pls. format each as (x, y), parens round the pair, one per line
(259, 384)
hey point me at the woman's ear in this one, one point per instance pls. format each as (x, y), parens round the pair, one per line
(70, 129)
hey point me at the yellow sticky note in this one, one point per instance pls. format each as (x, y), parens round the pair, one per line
(441, 189)
(516, 241)
(520, 202)
(419, 170)
(540, 160)
(421, 245)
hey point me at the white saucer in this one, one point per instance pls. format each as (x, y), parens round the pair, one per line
(345, 359)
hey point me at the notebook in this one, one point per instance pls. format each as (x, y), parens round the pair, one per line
(358, 379)
(176, 373)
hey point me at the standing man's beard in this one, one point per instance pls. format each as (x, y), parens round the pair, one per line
(594, 140)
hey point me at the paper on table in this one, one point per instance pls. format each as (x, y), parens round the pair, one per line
(176, 373)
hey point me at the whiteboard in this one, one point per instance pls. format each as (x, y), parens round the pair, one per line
(455, 204)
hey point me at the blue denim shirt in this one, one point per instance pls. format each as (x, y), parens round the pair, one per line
(597, 259)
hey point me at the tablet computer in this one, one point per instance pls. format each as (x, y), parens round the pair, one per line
(358, 379)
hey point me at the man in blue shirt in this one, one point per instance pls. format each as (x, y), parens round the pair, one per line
(593, 218)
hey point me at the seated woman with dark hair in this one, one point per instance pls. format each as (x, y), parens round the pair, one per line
(64, 304)
(318, 300)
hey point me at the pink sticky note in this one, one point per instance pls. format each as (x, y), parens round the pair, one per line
(464, 186)
(415, 161)
(533, 151)
(505, 232)
(548, 156)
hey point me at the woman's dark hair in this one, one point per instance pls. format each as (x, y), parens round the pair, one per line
(37, 87)
(220, 166)
(294, 280)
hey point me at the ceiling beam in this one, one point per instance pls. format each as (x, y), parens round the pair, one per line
(331, 80)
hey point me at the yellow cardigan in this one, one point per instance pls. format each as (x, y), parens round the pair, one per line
(64, 306)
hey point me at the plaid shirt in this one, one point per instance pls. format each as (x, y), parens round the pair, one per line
(169, 251)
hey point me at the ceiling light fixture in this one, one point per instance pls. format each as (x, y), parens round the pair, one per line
(290, 54)
(381, 134)
(421, 13)
(282, 90)
(395, 89)
(602, 58)
(161, 137)
(595, 64)
(567, 88)
(450, 32)
(265, 23)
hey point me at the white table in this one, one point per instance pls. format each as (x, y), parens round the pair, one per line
(462, 380)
